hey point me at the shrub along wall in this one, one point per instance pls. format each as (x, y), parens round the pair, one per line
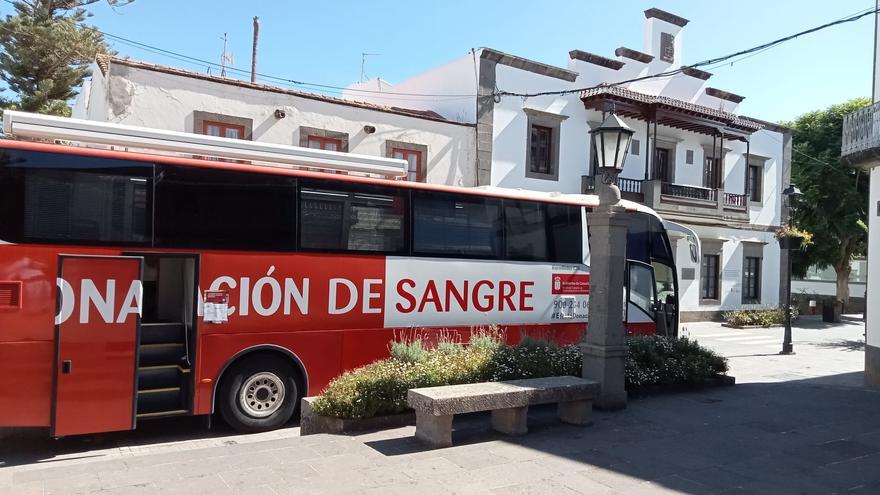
(766, 317)
(380, 388)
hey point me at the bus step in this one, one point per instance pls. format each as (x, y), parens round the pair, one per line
(156, 400)
(162, 333)
(164, 376)
(163, 414)
(161, 354)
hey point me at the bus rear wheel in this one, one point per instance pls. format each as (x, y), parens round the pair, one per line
(259, 394)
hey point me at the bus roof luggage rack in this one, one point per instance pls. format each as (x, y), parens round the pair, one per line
(46, 127)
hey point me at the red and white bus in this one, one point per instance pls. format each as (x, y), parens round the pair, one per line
(137, 285)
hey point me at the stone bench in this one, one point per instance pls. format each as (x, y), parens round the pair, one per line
(509, 402)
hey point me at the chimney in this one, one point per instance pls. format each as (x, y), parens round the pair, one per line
(254, 51)
(663, 37)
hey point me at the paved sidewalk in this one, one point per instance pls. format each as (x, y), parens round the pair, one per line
(792, 426)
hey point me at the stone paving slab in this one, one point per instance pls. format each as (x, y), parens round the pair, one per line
(781, 431)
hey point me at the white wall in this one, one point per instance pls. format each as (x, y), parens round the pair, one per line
(873, 313)
(458, 77)
(510, 132)
(166, 101)
(731, 270)
(824, 288)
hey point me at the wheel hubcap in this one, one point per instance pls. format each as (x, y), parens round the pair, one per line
(262, 394)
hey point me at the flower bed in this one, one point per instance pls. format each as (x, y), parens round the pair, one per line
(766, 317)
(380, 388)
(655, 361)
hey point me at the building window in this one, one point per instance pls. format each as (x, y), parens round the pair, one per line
(414, 171)
(541, 150)
(634, 147)
(667, 47)
(416, 156)
(756, 183)
(322, 139)
(542, 147)
(689, 157)
(711, 167)
(324, 143)
(751, 280)
(219, 129)
(709, 277)
(217, 124)
(663, 164)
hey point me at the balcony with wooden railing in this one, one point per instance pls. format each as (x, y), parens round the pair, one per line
(630, 189)
(668, 197)
(735, 201)
(860, 142)
(680, 191)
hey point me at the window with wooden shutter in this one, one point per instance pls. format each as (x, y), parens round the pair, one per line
(541, 153)
(667, 47)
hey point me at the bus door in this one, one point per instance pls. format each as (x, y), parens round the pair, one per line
(96, 343)
(168, 334)
(641, 299)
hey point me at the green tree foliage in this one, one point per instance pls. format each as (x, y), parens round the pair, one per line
(45, 52)
(835, 198)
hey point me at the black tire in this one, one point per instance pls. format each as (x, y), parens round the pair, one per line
(236, 415)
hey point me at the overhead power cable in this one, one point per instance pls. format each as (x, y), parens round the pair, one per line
(712, 61)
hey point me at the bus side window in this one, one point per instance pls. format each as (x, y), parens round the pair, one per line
(50, 198)
(224, 209)
(353, 217)
(456, 225)
(566, 232)
(525, 230)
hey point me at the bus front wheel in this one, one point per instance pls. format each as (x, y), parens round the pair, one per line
(258, 394)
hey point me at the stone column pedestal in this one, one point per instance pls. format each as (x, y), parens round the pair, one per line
(604, 347)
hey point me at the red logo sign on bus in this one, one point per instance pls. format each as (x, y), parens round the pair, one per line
(571, 283)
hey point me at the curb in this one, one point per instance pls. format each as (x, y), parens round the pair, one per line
(313, 424)
(743, 327)
(716, 382)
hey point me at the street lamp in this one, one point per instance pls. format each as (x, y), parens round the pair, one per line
(791, 195)
(604, 345)
(611, 142)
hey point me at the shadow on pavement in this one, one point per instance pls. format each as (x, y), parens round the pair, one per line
(801, 436)
(33, 445)
(814, 435)
(845, 344)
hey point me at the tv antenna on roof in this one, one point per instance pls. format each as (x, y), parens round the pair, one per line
(364, 63)
(226, 58)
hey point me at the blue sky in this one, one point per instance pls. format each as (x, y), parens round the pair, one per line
(321, 42)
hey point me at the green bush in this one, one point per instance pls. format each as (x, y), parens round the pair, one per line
(655, 360)
(764, 317)
(409, 352)
(380, 388)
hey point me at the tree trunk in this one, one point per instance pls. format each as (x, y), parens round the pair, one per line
(842, 268)
(843, 283)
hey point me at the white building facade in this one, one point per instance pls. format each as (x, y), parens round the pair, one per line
(861, 148)
(137, 93)
(693, 159)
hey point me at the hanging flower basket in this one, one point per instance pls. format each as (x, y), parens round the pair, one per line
(793, 238)
(791, 242)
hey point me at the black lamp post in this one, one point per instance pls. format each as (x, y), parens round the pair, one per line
(611, 142)
(791, 195)
(604, 345)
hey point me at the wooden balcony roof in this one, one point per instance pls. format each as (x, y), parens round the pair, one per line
(669, 112)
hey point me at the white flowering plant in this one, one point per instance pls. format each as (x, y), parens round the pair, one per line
(380, 388)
